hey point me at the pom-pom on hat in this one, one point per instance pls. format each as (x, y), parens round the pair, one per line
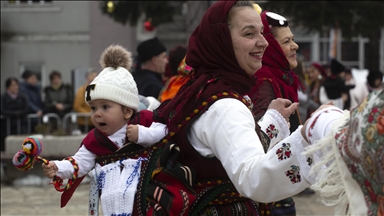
(336, 67)
(115, 82)
(149, 48)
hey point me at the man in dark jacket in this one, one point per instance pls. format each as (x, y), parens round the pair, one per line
(153, 60)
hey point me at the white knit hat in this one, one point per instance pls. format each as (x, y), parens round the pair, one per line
(115, 82)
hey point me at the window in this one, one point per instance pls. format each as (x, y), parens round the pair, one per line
(349, 51)
(324, 51)
(16, 6)
(28, 2)
(37, 67)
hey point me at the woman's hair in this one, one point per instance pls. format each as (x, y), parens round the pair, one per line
(27, 73)
(238, 4)
(54, 74)
(176, 55)
(8, 82)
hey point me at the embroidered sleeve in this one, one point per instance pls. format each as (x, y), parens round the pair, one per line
(232, 139)
(321, 122)
(85, 160)
(274, 126)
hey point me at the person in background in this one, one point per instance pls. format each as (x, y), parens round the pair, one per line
(356, 94)
(153, 60)
(334, 89)
(276, 79)
(317, 74)
(374, 80)
(176, 54)
(178, 66)
(14, 108)
(305, 101)
(32, 92)
(58, 96)
(81, 106)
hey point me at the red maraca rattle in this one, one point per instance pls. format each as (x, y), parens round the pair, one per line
(25, 159)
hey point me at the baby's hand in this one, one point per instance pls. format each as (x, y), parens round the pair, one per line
(50, 169)
(133, 133)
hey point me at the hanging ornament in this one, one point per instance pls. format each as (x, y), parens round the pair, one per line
(148, 25)
(110, 7)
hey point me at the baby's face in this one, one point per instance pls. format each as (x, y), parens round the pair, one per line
(107, 115)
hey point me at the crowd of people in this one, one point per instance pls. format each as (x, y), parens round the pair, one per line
(240, 123)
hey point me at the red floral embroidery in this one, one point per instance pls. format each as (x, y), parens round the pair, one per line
(271, 131)
(294, 174)
(315, 120)
(284, 151)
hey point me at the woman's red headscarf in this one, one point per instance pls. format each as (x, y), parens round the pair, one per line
(276, 68)
(210, 53)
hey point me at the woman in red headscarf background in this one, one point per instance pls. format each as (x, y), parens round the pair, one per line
(276, 79)
(317, 75)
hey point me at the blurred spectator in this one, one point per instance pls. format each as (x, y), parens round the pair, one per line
(79, 104)
(177, 65)
(152, 60)
(58, 96)
(305, 100)
(32, 92)
(317, 74)
(14, 108)
(334, 88)
(175, 56)
(356, 94)
(375, 79)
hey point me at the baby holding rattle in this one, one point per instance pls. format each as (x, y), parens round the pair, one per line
(114, 101)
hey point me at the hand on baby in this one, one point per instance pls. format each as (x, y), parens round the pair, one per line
(133, 133)
(50, 169)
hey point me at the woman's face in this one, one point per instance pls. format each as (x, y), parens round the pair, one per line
(14, 87)
(284, 37)
(248, 42)
(56, 81)
(313, 73)
(32, 80)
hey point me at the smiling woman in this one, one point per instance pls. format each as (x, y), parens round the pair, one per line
(276, 79)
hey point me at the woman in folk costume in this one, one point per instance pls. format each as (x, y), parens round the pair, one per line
(276, 79)
(317, 74)
(212, 161)
(350, 174)
(114, 100)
